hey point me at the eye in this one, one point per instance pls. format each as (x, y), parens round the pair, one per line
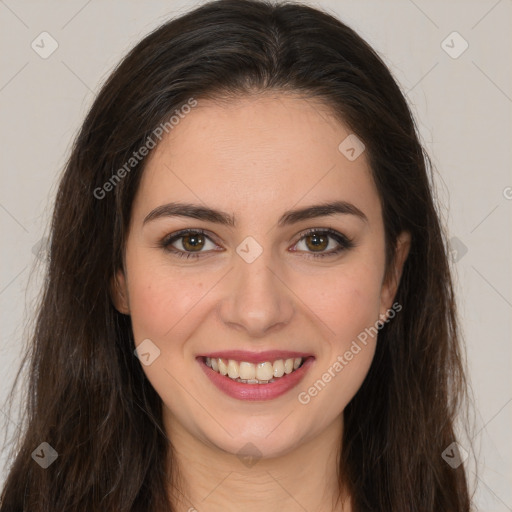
(187, 243)
(317, 241)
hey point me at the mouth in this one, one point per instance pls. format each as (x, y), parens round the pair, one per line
(250, 373)
(251, 376)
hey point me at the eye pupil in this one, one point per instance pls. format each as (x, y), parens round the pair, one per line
(321, 241)
(193, 241)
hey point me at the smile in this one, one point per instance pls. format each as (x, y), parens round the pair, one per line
(250, 373)
(255, 376)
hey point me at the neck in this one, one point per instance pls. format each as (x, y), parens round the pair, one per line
(208, 478)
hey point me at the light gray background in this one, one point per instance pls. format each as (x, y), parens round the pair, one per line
(463, 109)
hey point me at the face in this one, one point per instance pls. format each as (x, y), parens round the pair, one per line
(249, 279)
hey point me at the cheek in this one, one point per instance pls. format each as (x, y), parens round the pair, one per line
(348, 303)
(347, 300)
(165, 306)
(162, 298)
(350, 310)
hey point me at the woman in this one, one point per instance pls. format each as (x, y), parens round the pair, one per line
(248, 302)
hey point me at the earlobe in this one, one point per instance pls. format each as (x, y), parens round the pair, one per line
(119, 293)
(390, 286)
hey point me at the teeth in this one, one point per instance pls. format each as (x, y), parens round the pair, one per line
(223, 367)
(254, 381)
(264, 371)
(249, 373)
(233, 369)
(278, 368)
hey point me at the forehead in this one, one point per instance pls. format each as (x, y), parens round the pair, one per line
(259, 153)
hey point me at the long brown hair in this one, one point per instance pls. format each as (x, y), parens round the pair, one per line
(87, 395)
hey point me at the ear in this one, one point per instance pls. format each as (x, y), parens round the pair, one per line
(119, 292)
(392, 280)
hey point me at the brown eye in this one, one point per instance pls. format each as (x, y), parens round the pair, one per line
(188, 243)
(316, 242)
(193, 242)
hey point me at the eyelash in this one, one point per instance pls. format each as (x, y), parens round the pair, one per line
(344, 242)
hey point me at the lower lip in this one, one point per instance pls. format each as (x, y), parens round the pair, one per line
(256, 392)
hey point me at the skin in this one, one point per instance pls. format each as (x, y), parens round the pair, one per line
(256, 157)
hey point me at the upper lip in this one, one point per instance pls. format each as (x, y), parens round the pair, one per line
(255, 357)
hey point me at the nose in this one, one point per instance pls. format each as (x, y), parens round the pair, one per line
(257, 299)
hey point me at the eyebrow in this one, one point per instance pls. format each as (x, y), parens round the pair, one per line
(193, 211)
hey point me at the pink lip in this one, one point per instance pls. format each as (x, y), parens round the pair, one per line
(255, 357)
(256, 392)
